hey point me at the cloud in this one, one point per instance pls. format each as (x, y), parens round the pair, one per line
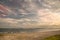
(43, 17)
(15, 23)
(29, 14)
(48, 18)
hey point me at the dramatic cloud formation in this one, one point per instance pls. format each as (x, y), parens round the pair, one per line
(29, 13)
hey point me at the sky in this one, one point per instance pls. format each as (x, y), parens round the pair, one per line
(29, 13)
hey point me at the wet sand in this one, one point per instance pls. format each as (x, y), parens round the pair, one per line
(36, 35)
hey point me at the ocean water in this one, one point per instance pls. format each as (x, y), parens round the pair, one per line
(18, 30)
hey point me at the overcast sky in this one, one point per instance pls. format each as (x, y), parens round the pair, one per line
(30, 13)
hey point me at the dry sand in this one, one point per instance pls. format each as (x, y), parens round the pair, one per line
(28, 35)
